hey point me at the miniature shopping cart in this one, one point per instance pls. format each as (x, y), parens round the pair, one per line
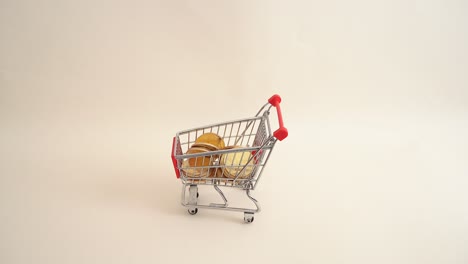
(257, 141)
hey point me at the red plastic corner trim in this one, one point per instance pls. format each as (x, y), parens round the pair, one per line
(174, 160)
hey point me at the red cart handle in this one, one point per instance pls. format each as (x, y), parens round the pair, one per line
(281, 133)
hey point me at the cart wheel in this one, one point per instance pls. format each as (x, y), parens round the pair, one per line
(248, 218)
(193, 211)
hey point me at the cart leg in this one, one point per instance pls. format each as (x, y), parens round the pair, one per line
(247, 192)
(248, 217)
(193, 199)
(222, 196)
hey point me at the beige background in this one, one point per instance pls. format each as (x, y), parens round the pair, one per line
(375, 96)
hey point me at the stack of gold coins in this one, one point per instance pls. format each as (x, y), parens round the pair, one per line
(237, 164)
(199, 167)
(210, 141)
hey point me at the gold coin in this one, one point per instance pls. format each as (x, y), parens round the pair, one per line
(237, 164)
(217, 173)
(198, 166)
(212, 139)
(191, 172)
(208, 146)
(231, 147)
(200, 161)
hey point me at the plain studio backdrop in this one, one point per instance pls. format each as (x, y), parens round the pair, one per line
(375, 96)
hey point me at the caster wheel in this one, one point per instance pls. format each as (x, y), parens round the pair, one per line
(248, 218)
(193, 211)
(198, 194)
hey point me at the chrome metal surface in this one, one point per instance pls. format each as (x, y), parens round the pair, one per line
(222, 196)
(253, 134)
(193, 199)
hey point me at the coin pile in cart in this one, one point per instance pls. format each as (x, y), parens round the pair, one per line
(228, 165)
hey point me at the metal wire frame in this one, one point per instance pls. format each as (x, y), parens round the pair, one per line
(254, 133)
